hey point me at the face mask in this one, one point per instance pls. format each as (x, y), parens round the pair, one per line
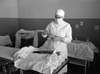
(58, 20)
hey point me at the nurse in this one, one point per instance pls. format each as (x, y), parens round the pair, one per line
(59, 33)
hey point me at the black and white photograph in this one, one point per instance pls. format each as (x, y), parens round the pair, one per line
(49, 36)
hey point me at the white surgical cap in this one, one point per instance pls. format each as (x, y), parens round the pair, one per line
(60, 12)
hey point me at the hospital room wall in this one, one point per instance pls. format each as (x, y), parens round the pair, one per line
(36, 14)
(80, 31)
(8, 18)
